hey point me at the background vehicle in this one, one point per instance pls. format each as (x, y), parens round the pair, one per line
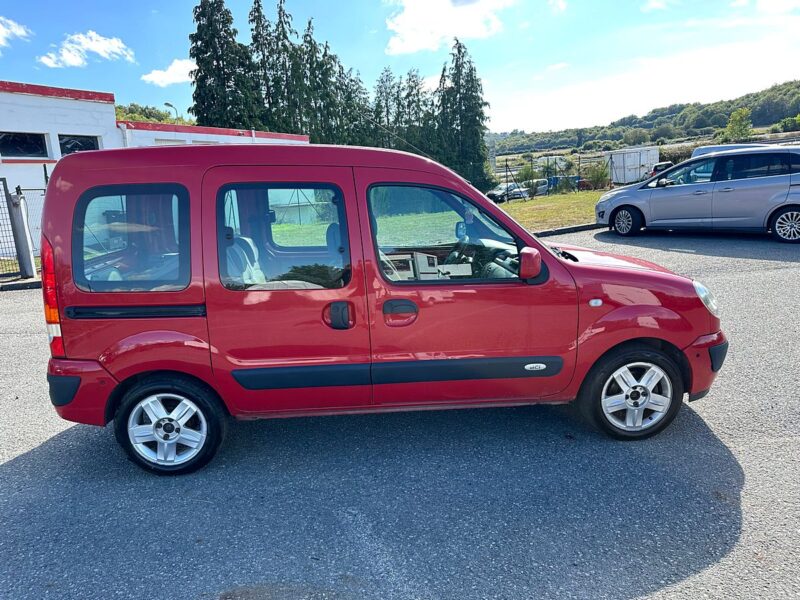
(751, 189)
(538, 187)
(659, 167)
(507, 191)
(185, 284)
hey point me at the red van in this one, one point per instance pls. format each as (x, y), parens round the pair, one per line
(183, 285)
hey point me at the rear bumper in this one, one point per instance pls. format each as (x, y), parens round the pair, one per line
(706, 357)
(79, 390)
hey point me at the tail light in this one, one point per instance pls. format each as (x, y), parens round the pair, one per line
(51, 313)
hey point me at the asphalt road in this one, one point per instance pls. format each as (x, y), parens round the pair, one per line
(512, 503)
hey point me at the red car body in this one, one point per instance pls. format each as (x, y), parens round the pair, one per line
(440, 357)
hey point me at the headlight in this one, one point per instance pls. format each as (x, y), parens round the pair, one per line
(706, 297)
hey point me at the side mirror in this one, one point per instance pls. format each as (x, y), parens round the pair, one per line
(530, 263)
(663, 182)
(461, 230)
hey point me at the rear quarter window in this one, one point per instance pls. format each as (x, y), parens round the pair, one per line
(132, 238)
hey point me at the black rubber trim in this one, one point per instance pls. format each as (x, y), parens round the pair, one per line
(718, 354)
(400, 307)
(136, 312)
(407, 371)
(63, 388)
(464, 368)
(698, 395)
(279, 378)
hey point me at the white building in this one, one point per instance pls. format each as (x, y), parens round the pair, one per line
(39, 124)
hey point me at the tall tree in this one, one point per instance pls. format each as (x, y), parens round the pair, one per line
(225, 93)
(262, 51)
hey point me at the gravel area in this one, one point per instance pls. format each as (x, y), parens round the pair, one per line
(495, 503)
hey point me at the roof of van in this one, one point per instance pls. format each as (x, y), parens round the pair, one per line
(252, 154)
(750, 150)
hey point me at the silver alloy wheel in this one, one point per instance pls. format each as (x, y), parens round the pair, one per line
(787, 226)
(623, 221)
(167, 429)
(636, 396)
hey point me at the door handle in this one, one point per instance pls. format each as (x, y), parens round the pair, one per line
(700, 193)
(338, 315)
(727, 189)
(399, 313)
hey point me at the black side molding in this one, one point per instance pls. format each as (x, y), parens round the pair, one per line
(63, 388)
(466, 368)
(135, 312)
(281, 378)
(718, 354)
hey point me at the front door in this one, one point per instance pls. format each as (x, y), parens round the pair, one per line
(285, 288)
(686, 199)
(749, 187)
(450, 319)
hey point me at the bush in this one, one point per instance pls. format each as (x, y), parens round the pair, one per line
(597, 174)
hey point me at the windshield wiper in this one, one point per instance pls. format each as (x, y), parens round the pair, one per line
(564, 254)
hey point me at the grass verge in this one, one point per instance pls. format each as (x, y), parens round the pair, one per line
(557, 210)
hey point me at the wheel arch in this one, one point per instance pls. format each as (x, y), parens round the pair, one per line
(629, 206)
(123, 386)
(773, 213)
(664, 346)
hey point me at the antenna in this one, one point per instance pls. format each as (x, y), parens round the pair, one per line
(398, 137)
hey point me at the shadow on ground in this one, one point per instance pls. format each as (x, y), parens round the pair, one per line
(708, 243)
(462, 504)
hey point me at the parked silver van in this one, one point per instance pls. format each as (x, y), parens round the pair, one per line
(751, 189)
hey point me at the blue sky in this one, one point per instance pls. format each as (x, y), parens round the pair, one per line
(546, 64)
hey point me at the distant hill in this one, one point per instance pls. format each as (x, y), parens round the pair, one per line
(678, 121)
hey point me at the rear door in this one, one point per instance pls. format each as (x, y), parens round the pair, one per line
(285, 288)
(749, 187)
(451, 322)
(687, 199)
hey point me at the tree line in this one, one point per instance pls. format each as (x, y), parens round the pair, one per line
(779, 104)
(290, 82)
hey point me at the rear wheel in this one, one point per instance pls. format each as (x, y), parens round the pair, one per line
(786, 225)
(170, 425)
(627, 221)
(633, 393)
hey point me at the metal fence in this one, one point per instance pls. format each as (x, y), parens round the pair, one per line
(9, 265)
(34, 200)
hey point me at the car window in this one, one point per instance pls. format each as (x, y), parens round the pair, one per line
(282, 236)
(749, 166)
(795, 161)
(429, 234)
(693, 173)
(132, 238)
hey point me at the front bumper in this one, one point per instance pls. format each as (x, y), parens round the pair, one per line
(706, 357)
(601, 215)
(79, 390)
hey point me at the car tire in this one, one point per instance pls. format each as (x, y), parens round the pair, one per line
(786, 225)
(652, 399)
(170, 425)
(627, 221)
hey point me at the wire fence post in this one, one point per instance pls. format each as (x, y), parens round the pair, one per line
(18, 218)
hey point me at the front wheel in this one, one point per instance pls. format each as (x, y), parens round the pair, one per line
(633, 393)
(627, 221)
(170, 425)
(786, 225)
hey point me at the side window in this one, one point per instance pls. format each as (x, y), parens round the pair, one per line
(428, 234)
(763, 164)
(132, 238)
(282, 236)
(795, 161)
(693, 173)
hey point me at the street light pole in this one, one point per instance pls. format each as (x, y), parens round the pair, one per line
(167, 104)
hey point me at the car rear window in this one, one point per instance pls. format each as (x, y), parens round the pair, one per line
(132, 238)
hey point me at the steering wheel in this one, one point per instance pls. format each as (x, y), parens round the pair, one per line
(388, 268)
(456, 256)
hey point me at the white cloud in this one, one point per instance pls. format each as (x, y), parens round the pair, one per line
(557, 66)
(639, 85)
(176, 72)
(557, 6)
(652, 5)
(75, 49)
(739, 3)
(10, 30)
(777, 7)
(428, 24)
